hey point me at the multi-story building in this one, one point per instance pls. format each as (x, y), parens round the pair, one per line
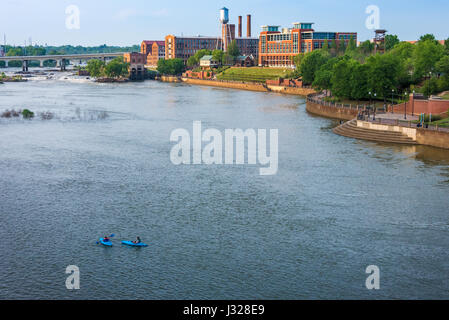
(185, 47)
(278, 48)
(136, 62)
(153, 50)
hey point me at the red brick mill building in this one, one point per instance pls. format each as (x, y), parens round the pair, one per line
(153, 51)
(278, 48)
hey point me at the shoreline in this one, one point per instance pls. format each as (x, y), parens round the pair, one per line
(248, 86)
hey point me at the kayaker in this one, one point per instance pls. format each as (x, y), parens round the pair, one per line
(137, 241)
(106, 239)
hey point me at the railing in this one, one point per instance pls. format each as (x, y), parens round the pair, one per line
(366, 112)
(405, 123)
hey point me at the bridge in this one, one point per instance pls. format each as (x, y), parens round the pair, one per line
(61, 60)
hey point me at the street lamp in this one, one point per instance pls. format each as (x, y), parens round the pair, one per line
(374, 107)
(392, 108)
(413, 103)
(405, 108)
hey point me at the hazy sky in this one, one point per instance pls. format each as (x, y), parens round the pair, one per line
(118, 22)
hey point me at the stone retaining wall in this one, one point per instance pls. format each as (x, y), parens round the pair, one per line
(334, 112)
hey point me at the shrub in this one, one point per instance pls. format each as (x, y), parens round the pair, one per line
(6, 114)
(46, 115)
(27, 114)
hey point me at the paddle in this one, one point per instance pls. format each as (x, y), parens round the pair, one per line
(111, 236)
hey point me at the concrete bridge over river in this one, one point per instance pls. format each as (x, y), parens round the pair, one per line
(61, 60)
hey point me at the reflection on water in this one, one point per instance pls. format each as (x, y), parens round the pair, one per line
(336, 205)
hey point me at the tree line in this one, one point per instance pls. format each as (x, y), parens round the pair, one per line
(357, 73)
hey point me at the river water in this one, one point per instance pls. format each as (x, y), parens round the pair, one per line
(102, 165)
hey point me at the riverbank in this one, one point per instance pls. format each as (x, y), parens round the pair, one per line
(250, 86)
(381, 130)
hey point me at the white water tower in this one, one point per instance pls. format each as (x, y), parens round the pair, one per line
(224, 15)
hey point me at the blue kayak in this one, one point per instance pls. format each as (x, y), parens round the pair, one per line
(106, 243)
(132, 244)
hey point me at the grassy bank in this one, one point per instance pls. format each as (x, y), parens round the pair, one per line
(254, 74)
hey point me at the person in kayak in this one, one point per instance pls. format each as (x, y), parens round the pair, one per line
(106, 239)
(137, 241)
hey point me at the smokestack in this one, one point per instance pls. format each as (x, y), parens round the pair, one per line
(248, 26)
(240, 26)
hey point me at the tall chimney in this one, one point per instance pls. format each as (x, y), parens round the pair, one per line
(248, 26)
(240, 26)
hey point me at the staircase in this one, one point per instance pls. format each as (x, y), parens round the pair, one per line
(350, 129)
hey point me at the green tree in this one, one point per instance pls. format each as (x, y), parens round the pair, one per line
(191, 61)
(323, 76)
(116, 68)
(391, 41)
(382, 74)
(233, 49)
(325, 46)
(359, 81)
(426, 54)
(430, 87)
(334, 48)
(95, 67)
(352, 46)
(170, 66)
(311, 63)
(427, 37)
(366, 48)
(217, 55)
(341, 78)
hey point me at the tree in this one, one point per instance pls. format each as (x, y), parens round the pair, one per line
(116, 68)
(442, 66)
(170, 66)
(391, 41)
(352, 46)
(446, 45)
(426, 54)
(191, 62)
(95, 67)
(382, 74)
(325, 46)
(341, 78)
(233, 51)
(359, 82)
(217, 55)
(430, 87)
(366, 48)
(323, 76)
(427, 37)
(334, 48)
(311, 63)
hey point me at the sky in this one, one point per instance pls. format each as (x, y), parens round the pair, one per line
(123, 23)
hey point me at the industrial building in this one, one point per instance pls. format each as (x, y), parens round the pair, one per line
(153, 50)
(136, 62)
(277, 48)
(185, 47)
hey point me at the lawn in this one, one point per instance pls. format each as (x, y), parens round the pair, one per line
(254, 74)
(445, 97)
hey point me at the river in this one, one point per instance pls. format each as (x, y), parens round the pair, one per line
(102, 165)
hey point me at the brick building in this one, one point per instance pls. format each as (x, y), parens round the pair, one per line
(185, 47)
(153, 51)
(277, 48)
(136, 62)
